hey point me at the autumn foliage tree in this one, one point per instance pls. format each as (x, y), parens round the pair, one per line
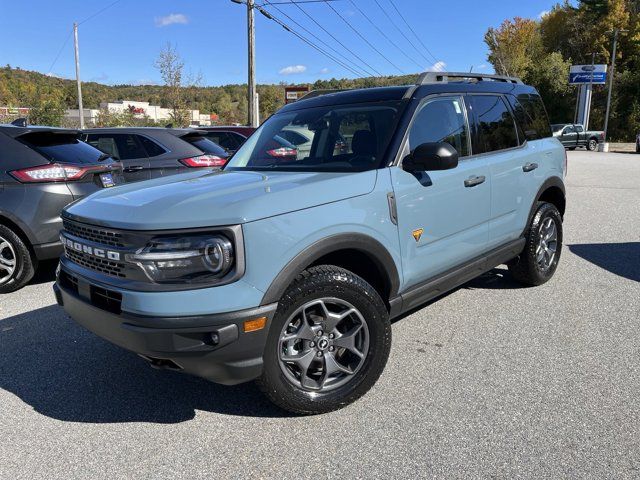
(541, 52)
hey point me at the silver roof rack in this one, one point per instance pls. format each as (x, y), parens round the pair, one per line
(444, 77)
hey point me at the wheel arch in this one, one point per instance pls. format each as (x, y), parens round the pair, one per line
(19, 229)
(552, 191)
(358, 253)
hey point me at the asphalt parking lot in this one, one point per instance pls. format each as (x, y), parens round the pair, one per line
(492, 380)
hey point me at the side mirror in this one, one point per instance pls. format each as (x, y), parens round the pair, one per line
(431, 156)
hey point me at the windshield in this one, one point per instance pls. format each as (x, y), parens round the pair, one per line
(557, 128)
(340, 138)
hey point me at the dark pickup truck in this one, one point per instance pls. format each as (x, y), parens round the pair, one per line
(573, 136)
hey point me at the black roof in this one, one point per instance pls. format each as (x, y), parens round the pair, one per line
(417, 91)
(15, 131)
(178, 132)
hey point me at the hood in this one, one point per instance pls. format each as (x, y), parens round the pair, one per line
(205, 198)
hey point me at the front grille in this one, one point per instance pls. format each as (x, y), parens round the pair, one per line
(108, 267)
(94, 234)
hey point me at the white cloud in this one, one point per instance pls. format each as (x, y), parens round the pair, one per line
(439, 66)
(324, 71)
(292, 69)
(543, 13)
(171, 19)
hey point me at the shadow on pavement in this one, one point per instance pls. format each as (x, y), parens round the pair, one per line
(67, 373)
(622, 259)
(46, 272)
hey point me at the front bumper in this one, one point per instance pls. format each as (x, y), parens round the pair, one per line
(214, 347)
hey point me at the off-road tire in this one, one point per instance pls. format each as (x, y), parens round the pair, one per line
(316, 283)
(24, 265)
(525, 269)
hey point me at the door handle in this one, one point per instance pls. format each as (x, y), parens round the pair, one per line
(133, 168)
(528, 167)
(474, 180)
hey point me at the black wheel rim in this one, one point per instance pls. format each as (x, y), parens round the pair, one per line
(323, 344)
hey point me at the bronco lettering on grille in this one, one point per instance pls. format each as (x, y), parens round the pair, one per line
(89, 250)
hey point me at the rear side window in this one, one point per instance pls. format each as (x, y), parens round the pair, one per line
(495, 126)
(62, 148)
(151, 147)
(206, 145)
(224, 139)
(294, 137)
(120, 146)
(531, 116)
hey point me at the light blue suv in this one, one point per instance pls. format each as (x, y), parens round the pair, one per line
(288, 269)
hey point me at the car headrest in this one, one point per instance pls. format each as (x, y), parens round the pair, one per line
(364, 143)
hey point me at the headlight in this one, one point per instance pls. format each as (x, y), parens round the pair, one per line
(190, 259)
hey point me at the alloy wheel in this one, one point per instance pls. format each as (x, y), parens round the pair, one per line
(547, 244)
(7, 261)
(323, 344)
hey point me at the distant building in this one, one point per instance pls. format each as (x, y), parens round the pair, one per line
(90, 116)
(154, 112)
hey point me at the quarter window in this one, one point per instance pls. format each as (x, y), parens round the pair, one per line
(151, 147)
(531, 116)
(441, 120)
(495, 125)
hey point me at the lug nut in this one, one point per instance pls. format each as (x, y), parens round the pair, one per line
(331, 348)
(331, 335)
(312, 344)
(319, 354)
(319, 333)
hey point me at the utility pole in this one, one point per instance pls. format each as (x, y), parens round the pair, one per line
(75, 43)
(616, 32)
(251, 32)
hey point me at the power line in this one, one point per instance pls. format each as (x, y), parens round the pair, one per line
(362, 72)
(308, 42)
(363, 37)
(384, 34)
(402, 33)
(334, 38)
(412, 30)
(64, 44)
(98, 12)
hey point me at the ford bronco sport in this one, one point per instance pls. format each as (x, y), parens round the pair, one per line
(288, 271)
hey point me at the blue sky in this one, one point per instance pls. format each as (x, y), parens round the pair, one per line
(121, 43)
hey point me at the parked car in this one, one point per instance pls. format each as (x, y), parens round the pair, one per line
(290, 272)
(42, 169)
(228, 137)
(302, 139)
(232, 138)
(574, 135)
(150, 152)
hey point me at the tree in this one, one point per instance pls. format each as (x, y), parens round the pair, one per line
(171, 67)
(49, 112)
(514, 46)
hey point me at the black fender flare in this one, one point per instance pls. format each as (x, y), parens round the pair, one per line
(355, 241)
(549, 182)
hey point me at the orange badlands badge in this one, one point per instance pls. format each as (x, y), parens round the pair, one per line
(417, 234)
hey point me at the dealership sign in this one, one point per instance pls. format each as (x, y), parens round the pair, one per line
(581, 74)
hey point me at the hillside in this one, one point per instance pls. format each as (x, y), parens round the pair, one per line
(24, 88)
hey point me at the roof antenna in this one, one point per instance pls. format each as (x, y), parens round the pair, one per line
(20, 122)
